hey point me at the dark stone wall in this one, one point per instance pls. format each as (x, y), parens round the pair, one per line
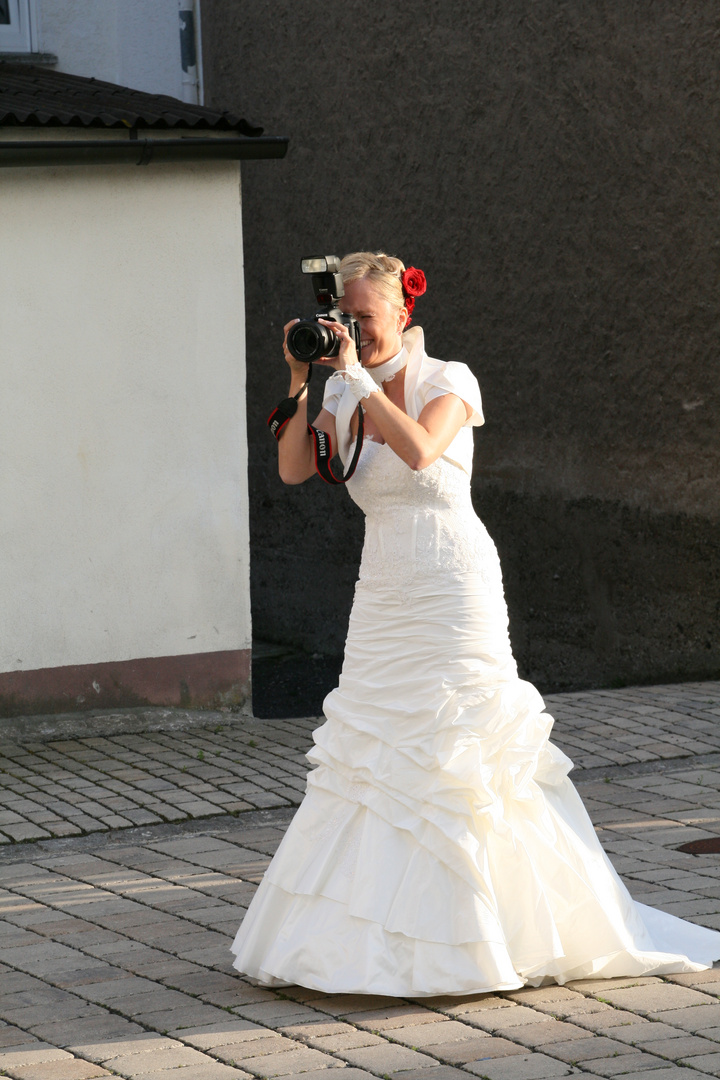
(553, 167)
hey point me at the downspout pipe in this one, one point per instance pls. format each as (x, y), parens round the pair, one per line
(140, 151)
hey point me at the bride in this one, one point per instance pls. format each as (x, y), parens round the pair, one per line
(441, 847)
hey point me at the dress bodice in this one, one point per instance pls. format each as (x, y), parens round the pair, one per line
(419, 525)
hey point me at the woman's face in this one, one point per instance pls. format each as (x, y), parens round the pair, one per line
(381, 324)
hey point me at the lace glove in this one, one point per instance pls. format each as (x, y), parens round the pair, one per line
(360, 382)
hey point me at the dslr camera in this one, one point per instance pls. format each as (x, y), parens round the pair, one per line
(308, 340)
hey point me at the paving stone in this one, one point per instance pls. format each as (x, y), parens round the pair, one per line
(684, 1046)
(168, 971)
(224, 1033)
(506, 1019)
(213, 1070)
(627, 1063)
(98, 1026)
(658, 997)
(695, 1018)
(13, 937)
(360, 1074)
(68, 1069)
(608, 1019)
(437, 1072)
(240, 1048)
(23, 831)
(31, 1017)
(395, 1016)
(572, 1008)
(669, 1072)
(532, 996)
(267, 1012)
(596, 986)
(39, 957)
(453, 1006)
(295, 1020)
(350, 1040)
(179, 1017)
(597, 1046)
(298, 1060)
(699, 980)
(306, 1032)
(349, 1004)
(520, 1067)
(440, 1041)
(388, 1058)
(155, 1060)
(141, 1043)
(493, 1047)
(707, 1063)
(31, 1054)
(12, 1036)
(131, 995)
(463, 1050)
(431, 1034)
(246, 994)
(646, 1034)
(533, 1035)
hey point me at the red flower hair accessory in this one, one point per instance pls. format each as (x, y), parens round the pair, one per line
(413, 284)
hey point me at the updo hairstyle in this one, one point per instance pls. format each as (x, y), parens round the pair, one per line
(383, 271)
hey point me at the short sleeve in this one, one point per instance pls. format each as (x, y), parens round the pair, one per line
(334, 389)
(455, 378)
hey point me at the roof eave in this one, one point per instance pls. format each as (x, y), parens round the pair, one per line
(139, 151)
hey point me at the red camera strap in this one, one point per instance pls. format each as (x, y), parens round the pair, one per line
(323, 449)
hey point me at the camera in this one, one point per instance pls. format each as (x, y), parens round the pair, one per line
(308, 340)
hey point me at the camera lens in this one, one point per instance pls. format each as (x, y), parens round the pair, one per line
(309, 341)
(303, 341)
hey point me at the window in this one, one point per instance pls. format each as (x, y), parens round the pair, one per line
(15, 26)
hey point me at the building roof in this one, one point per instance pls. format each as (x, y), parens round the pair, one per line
(38, 97)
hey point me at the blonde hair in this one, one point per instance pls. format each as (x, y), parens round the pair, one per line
(383, 271)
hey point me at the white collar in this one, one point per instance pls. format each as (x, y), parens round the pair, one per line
(388, 370)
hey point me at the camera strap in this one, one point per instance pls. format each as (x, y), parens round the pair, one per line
(287, 408)
(323, 453)
(323, 450)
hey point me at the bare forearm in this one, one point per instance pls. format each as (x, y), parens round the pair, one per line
(417, 443)
(295, 451)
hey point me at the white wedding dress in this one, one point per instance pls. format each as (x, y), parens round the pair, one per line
(441, 847)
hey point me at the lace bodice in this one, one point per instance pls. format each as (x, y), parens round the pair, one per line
(418, 525)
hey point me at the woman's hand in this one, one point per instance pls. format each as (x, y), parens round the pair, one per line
(348, 353)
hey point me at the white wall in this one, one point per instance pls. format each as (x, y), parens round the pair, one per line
(124, 530)
(131, 42)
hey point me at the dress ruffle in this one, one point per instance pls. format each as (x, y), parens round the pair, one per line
(441, 848)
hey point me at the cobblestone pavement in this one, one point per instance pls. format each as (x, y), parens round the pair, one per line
(133, 843)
